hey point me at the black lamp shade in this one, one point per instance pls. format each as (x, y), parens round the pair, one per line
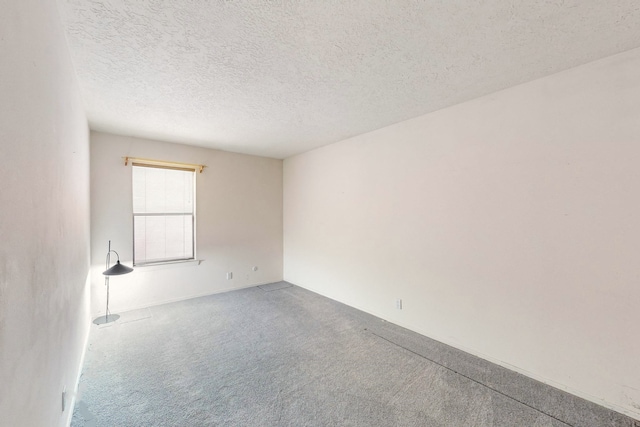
(117, 270)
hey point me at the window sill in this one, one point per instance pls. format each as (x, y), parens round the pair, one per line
(168, 264)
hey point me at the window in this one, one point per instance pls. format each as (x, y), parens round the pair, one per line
(163, 214)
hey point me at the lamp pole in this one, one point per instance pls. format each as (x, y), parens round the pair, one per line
(116, 270)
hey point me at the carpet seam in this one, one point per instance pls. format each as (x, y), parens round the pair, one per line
(474, 380)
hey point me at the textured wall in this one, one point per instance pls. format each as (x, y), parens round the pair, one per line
(238, 223)
(44, 217)
(508, 225)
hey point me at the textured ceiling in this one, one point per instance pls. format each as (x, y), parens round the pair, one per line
(276, 78)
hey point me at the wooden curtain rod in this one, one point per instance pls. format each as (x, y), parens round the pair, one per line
(162, 163)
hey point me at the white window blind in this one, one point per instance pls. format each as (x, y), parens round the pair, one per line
(163, 214)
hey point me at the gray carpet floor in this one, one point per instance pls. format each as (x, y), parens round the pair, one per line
(279, 355)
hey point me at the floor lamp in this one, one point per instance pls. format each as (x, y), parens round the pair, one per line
(116, 270)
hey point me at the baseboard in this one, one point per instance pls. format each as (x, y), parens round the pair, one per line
(74, 394)
(544, 380)
(192, 296)
(586, 396)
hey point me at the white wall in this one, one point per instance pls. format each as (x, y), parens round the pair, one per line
(238, 223)
(509, 226)
(44, 217)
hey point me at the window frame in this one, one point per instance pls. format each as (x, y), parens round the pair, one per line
(169, 166)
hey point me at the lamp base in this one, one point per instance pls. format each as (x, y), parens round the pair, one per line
(106, 319)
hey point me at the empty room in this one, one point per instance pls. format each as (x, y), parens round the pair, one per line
(298, 213)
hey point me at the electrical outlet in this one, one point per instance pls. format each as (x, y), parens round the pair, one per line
(399, 304)
(229, 275)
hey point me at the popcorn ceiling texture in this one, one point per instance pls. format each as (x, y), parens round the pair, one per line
(276, 78)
